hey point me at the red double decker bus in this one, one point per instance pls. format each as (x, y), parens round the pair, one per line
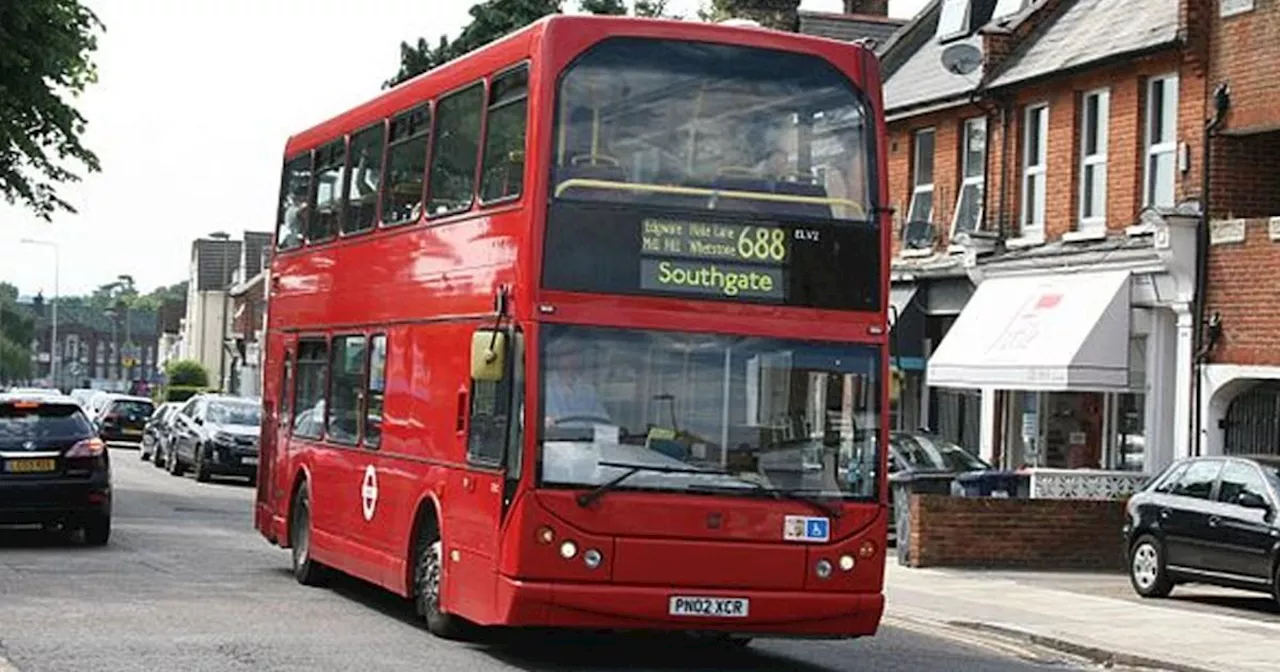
(587, 329)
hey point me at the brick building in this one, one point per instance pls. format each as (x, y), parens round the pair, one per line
(1239, 397)
(1045, 168)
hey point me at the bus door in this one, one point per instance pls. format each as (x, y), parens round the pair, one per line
(490, 429)
(273, 453)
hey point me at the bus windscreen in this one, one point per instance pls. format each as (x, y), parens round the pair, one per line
(712, 171)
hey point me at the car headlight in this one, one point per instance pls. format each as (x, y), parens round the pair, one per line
(223, 437)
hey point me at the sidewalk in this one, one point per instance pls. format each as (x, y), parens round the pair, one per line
(1129, 633)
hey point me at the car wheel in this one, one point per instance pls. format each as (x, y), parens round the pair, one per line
(1275, 582)
(202, 469)
(97, 530)
(428, 578)
(1146, 568)
(306, 570)
(174, 463)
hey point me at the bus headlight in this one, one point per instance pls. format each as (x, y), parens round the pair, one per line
(846, 563)
(592, 558)
(823, 568)
(568, 549)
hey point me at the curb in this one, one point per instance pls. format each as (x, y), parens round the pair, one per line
(1104, 657)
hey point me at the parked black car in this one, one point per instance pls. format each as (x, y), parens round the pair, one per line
(157, 430)
(1207, 520)
(123, 419)
(54, 470)
(215, 435)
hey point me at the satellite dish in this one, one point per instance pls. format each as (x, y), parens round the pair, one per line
(961, 58)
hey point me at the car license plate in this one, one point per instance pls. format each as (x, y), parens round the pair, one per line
(714, 607)
(249, 461)
(133, 432)
(30, 466)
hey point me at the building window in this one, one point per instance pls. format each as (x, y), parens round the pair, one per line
(346, 384)
(456, 151)
(362, 183)
(1094, 120)
(406, 166)
(503, 175)
(1035, 135)
(1161, 140)
(1006, 7)
(953, 21)
(973, 157)
(921, 209)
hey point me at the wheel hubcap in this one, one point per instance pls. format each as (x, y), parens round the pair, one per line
(301, 544)
(431, 577)
(1146, 565)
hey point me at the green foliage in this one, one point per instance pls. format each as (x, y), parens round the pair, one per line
(182, 392)
(186, 372)
(44, 60)
(17, 328)
(776, 14)
(493, 19)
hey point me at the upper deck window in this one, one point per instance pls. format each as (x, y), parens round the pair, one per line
(504, 136)
(712, 127)
(362, 179)
(326, 191)
(456, 151)
(291, 218)
(406, 165)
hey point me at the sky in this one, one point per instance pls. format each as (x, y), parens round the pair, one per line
(193, 104)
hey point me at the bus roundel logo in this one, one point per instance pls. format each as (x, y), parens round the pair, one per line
(369, 492)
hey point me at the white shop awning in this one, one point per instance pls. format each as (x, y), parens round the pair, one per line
(1047, 332)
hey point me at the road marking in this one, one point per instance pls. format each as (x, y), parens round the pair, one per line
(368, 493)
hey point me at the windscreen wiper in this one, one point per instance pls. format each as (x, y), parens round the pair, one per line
(813, 502)
(585, 499)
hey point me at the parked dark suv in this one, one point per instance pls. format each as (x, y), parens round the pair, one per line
(123, 419)
(53, 469)
(215, 435)
(1207, 520)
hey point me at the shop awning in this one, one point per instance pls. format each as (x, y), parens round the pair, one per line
(1057, 332)
(900, 296)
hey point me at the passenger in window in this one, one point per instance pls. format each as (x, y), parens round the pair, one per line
(846, 178)
(571, 394)
(295, 214)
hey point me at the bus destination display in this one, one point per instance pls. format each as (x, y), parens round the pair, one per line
(603, 248)
(713, 258)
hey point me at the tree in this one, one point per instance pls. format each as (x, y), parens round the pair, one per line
(17, 328)
(186, 373)
(45, 48)
(776, 14)
(492, 19)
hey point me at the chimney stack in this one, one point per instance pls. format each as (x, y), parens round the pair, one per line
(867, 7)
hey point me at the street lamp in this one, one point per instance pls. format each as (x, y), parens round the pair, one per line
(55, 350)
(125, 285)
(226, 294)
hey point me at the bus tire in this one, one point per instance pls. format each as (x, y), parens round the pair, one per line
(306, 569)
(427, 579)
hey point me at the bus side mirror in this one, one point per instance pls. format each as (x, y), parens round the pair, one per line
(488, 355)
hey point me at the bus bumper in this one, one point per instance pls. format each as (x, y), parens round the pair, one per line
(614, 607)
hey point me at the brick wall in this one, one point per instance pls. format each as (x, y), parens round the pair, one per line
(1244, 50)
(1242, 289)
(1023, 533)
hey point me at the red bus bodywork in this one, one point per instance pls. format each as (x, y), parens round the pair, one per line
(428, 286)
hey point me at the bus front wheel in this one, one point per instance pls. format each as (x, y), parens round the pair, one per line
(428, 578)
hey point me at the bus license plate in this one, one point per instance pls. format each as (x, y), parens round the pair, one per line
(30, 466)
(715, 607)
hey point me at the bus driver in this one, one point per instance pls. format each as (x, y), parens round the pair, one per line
(571, 395)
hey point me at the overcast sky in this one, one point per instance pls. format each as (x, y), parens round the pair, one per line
(194, 102)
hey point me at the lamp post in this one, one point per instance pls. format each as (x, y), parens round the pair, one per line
(126, 290)
(55, 350)
(226, 293)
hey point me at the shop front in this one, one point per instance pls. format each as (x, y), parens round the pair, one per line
(1081, 355)
(923, 308)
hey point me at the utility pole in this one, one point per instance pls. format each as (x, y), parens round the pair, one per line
(55, 350)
